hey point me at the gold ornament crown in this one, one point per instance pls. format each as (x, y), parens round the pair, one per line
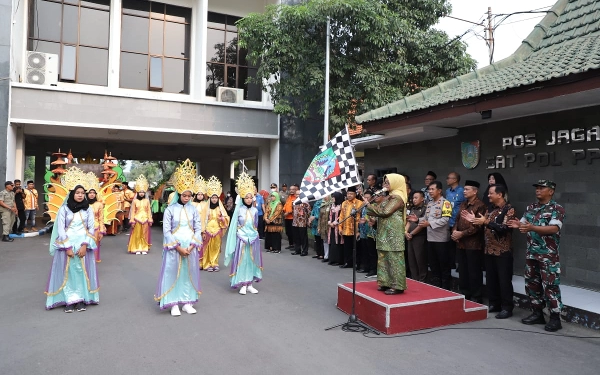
(75, 176)
(185, 177)
(245, 185)
(200, 185)
(141, 184)
(214, 187)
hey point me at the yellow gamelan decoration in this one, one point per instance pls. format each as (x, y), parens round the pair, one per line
(141, 184)
(185, 177)
(245, 185)
(214, 187)
(200, 185)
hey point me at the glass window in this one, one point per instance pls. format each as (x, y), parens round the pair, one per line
(73, 26)
(69, 63)
(134, 71)
(134, 34)
(93, 29)
(156, 73)
(228, 64)
(70, 24)
(157, 38)
(45, 20)
(92, 66)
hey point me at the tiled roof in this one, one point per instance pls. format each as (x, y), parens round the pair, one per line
(566, 41)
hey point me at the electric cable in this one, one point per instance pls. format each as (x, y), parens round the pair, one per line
(482, 329)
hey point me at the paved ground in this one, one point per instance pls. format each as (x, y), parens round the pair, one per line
(280, 330)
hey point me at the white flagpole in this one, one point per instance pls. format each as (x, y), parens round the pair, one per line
(326, 120)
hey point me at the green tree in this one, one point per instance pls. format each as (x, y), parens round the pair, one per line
(154, 171)
(381, 50)
(29, 173)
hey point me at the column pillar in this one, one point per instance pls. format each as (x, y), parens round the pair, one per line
(198, 44)
(19, 153)
(39, 174)
(114, 44)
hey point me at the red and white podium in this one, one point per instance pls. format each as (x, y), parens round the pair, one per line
(421, 306)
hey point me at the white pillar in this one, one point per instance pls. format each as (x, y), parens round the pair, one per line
(11, 162)
(198, 50)
(114, 44)
(19, 153)
(274, 162)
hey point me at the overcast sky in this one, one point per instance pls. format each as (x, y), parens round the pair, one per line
(509, 34)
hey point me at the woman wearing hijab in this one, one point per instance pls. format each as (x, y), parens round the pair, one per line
(391, 213)
(73, 281)
(313, 221)
(179, 280)
(99, 227)
(494, 178)
(140, 219)
(243, 243)
(334, 237)
(217, 221)
(323, 227)
(274, 223)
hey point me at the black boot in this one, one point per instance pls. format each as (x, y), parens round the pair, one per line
(554, 323)
(536, 318)
(6, 238)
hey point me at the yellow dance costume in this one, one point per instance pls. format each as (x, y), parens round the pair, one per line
(217, 222)
(140, 216)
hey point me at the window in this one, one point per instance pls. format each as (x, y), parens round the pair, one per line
(77, 31)
(226, 64)
(155, 47)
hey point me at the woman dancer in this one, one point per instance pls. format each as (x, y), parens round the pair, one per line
(243, 244)
(99, 227)
(217, 221)
(274, 223)
(140, 219)
(179, 280)
(73, 281)
(391, 214)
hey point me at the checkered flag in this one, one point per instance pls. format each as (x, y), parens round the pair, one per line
(333, 169)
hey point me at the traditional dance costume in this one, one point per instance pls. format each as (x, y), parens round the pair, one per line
(179, 280)
(243, 243)
(99, 227)
(140, 220)
(217, 221)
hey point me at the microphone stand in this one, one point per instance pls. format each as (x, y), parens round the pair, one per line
(354, 324)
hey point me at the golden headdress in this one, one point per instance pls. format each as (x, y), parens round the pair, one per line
(214, 187)
(141, 184)
(75, 176)
(200, 185)
(245, 185)
(185, 177)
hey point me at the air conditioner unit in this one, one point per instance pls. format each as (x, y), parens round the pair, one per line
(42, 68)
(229, 95)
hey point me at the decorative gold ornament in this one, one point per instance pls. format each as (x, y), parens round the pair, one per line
(75, 176)
(185, 177)
(200, 185)
(214, 187)
(245, 185)
(141, 184)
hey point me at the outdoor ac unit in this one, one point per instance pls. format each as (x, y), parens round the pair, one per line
(42, 68)
(229, 95)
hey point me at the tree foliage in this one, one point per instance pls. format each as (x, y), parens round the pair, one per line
(154, 171)
(381, 50)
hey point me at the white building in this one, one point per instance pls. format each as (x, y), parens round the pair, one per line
(139, 78)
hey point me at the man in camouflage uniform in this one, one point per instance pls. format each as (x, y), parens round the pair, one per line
(543, 222)
(8, 210)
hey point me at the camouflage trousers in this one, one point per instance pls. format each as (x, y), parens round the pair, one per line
(542, 280)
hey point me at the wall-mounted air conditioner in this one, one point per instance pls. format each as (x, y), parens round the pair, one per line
(230, 95)
(42, 68)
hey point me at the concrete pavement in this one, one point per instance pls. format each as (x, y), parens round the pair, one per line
(279, 330)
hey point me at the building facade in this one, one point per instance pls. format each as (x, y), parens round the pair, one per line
(143, 79)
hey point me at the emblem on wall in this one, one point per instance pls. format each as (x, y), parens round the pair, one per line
(470, 154)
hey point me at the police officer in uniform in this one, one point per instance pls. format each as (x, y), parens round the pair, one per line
(542, 222)
(8, 210)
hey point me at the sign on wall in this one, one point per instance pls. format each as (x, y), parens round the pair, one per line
(470, 154)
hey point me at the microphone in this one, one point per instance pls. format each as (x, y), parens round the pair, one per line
(379, 192)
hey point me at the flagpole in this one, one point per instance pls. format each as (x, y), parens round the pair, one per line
(326, 120)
